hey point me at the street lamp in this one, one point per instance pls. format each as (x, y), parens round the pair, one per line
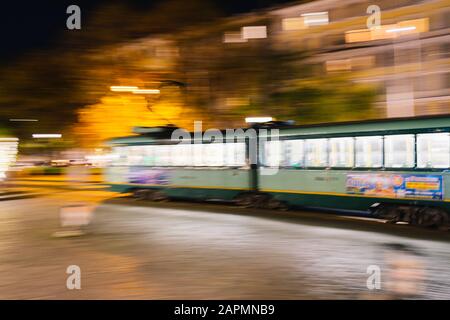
(146, 91)
(258, 119)
(47, 135)
(123, 88)
(23, 120)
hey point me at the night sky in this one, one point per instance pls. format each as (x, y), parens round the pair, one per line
(41, 78)
(37, 24)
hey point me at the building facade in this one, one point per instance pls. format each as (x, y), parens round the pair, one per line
(399, 48)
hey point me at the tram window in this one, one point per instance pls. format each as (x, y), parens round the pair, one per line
(316, 154)
(294, 153)
(208, 154)
(135, 155)
(213, 154)
(120, 156)
(369, 152)
(181, 154)
(235, 154)
(162, 155)
(399, 151)
(433, 150)
(148, 156)
(341, 152)
(197, 155)
(272, 153)
(155, 155)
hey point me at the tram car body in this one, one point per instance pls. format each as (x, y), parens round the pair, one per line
(154, 162)
(397, 169)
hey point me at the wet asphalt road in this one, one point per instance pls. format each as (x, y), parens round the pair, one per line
(135, 250)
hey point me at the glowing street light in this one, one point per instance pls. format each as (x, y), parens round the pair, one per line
(258, 119)
(23, 120)
(146, 91)
(123, 88)
(134, 89)
(47, 135)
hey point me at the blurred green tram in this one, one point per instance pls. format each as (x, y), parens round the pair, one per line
(396, 169)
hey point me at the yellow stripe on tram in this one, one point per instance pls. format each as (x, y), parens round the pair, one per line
(343, 194)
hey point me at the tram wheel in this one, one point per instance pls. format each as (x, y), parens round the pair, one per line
(388, 212)
(275, 204)
(432, 217)
(157, 196)
(245, 200)
(140, 194)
